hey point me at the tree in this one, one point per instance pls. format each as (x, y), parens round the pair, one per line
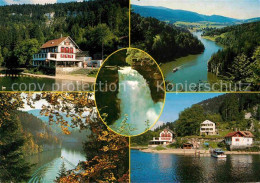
(25, 49)
(13, 167)
(241, 68)
(62, 172)
(100, 36)
(189, 121)
(1, 57)
(229, 109)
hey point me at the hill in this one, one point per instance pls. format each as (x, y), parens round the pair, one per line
(75, 136)
(39, 136)
(165, 42)
(239, 61)
(90, 24)
(172, 16)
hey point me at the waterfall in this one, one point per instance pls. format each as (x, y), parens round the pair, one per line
(136, 101)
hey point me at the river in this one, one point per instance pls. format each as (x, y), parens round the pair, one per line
(48, 163)
(192, 68)
(152, 167)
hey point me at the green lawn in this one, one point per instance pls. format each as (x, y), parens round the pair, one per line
(86, 72)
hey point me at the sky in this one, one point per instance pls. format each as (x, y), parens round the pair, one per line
(239, 9)
(177, 102)
(8, 2)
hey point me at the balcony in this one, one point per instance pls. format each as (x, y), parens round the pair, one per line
(162, 139)
(55, 56)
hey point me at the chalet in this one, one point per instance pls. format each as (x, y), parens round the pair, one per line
(59, 53)
(166, 137)
(239, 139)
(208, 128)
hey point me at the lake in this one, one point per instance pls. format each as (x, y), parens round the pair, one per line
(42, 84)
(192, 68)
(48, 163)
(152, 167)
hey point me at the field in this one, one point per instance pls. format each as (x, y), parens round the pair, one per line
(196, 26)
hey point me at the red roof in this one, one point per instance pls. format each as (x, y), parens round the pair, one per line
(54, 42)
(242, 133)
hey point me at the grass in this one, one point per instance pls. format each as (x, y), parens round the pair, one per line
(86, 72)
(33, 71)
(159, 148)
(193, 26)
(213, 38)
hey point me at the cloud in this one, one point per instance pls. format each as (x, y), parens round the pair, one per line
(30, 1)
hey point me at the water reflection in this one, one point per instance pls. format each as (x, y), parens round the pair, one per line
(148, 167)
(42, 84)
(47, 164)
(192, 68)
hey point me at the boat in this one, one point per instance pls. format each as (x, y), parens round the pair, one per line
(175, 69)
(218, 153)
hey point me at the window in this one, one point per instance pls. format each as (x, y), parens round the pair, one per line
(71, 50)
(237, 140)
(62, 49)
(67, 50)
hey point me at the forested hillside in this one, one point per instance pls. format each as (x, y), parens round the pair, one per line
(163, 41)
(174, 15)
(240, 60)
(38, 135)
(23, 28)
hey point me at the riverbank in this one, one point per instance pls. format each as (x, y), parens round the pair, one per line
(190, 151)
(65, 77)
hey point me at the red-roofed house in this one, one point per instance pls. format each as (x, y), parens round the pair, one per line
(58, 52)
(239, 139)
(166, 137)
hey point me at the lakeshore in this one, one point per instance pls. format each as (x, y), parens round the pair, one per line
(65, 77)
(188, 151)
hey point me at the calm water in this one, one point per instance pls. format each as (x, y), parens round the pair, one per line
(48, 163)
(152, 167)
(193, 68)
(41, 84)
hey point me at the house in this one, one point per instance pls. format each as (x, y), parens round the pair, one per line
(166, 137)
(87, 60)
(59, 53)
(239, 139)
(208, 128)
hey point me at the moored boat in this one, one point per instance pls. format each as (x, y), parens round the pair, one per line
(218, 153)
(175, 69)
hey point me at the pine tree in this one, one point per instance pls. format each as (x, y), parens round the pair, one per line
(13, 167)
(241, 68)
(62, 172)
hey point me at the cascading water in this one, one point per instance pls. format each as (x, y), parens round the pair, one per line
(136, 101)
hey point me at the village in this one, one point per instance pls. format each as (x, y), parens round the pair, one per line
(209, 141)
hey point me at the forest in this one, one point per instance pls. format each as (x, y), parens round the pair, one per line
(239, 61)
(91, 24)
(163, 41)
(39, 137)
(227, 111)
